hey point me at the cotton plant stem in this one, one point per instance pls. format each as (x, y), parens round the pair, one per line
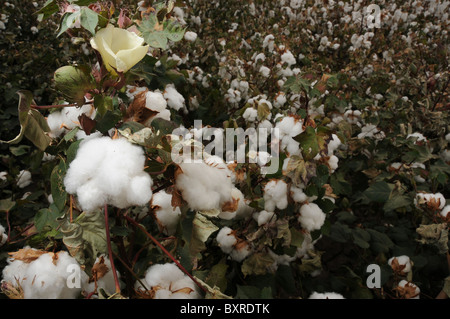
(165, 251)
(110, 252)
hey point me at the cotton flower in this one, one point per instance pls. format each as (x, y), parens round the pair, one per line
(311, 216)
(275, 195)
(326, 295)
(167, 216)
(107, 171)
(167, 281)
(24, 179)
(120, 49)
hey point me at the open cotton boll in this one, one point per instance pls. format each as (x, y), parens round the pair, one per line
(203, 186)
(250, 114)
(24, 179)
(418, 137)
(334, 144)
(106, 281)
(190, 36)
(445, 212)
(169, 282)
(263, 217)
(401, 264)
(67, 119)
(434, 201)
(288, 58)
(333, 163)
(326, 295)
(166, 215)
(311, 217)
(275, 195)
(3, 235)
(46, 277)
(107, 171)
(155, 101)
(289, 127)
(408, 290)
(226, 239)
(174, 99)
(297, 194)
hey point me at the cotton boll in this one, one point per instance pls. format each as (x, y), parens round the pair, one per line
(265, 71)
(24, 179)
(334, 144)
(107, 171)
(250, 114)
(333, 163)
(404, 264)
(174, 99)
(445, 212)
(226, 239)
(408, 290)
(166, 215)
(190, 36)
(434, 201)
(240, 251)
(263, 217)
(298, 195)
(155, 101)
(203, 186)
(3, 175)
(275, 195)
(3, 235)
(326, 295)
(169, 282)
(311, 217)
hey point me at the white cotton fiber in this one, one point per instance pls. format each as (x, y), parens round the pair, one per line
(169, 282)
(67, 119)
(403, 261)
(46, 277)
(24, 179)
(107, 171)
(155, 101)
(167, 216)
(204, 186)
(445, 211)
(226, 239)
(174, 99)
(311, 216)
(3, 235)
(275, 195)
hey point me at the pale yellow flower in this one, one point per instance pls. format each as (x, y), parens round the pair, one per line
(120, 49)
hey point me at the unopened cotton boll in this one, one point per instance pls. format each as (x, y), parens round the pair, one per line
(326, 295)
(107, 171)
(24, 179)
(311, 217)
(275, 195)
(169, 282)
(166, 215)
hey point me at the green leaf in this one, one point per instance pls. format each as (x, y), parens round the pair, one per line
(202, 228)
(361, 238)
(85, 238)
(299, 170)
(379, 192)
(67, 19)
(217, 276)
(33, 125)
(308, 143)
(157, 35)
(47, 217)
(71, 152)
(103, 104)
(380, 242)
(397, 201)
(7, 204)
(59, 193)
(50, 7)
(88, 19)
